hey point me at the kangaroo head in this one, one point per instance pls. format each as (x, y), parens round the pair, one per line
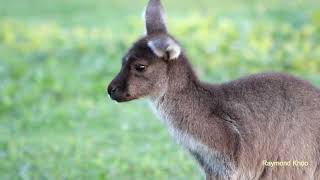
(145, 66)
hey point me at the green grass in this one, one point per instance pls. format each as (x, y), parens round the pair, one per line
(56, 58)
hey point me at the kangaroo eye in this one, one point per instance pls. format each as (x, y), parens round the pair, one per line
(140, 67)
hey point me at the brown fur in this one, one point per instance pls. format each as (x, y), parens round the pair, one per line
(230, 128)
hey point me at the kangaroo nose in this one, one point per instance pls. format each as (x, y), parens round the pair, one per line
(112, 89)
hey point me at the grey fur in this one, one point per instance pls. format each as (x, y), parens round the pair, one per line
(229, 128)
(155, 17)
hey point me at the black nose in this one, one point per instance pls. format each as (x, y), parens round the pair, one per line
(112, 89)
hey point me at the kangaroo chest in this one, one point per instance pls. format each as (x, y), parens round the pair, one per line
(206, 157)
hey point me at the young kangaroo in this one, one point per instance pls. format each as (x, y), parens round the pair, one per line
(264, 126)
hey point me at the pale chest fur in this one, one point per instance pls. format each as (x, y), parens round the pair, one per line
(166, 115)
(210, 158)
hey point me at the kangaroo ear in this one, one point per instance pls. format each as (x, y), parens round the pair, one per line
(155, 18)
(165, 47)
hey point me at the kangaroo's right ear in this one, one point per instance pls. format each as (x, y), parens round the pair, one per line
(155, 18)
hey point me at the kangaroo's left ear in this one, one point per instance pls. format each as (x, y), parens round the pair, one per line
(165, 47)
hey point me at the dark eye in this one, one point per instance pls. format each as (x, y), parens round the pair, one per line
(139, 67)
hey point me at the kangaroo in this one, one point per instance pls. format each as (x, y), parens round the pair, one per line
(264, 126)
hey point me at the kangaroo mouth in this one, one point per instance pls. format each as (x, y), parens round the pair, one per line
(122, 97)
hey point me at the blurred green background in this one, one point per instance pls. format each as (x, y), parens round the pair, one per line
(57, 57)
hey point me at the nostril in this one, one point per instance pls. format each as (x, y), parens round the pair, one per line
(113, 89)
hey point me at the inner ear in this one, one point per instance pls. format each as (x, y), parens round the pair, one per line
(165, 47)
